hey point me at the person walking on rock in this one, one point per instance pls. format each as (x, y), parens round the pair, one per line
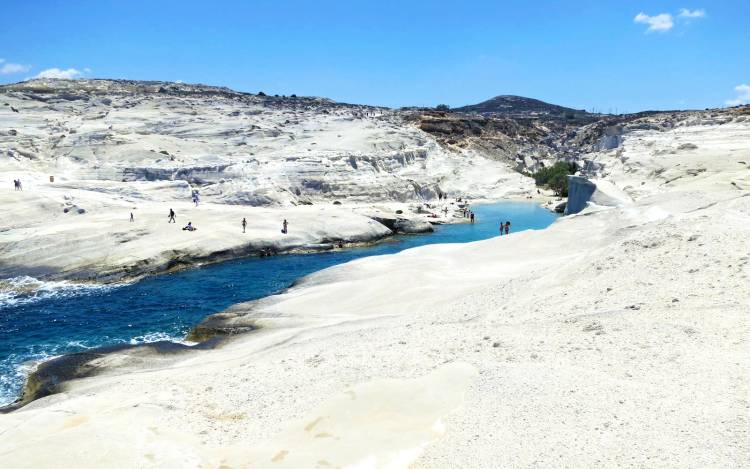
(244, 224)
(284, 226)
(132, 219)
(171, 216)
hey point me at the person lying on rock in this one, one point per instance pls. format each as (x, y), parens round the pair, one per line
(189, 227)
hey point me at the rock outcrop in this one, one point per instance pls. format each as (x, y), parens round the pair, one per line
(582, 192)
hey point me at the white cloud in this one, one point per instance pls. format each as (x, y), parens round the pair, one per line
(743, 95)
(69, 73)
(660, 23)
(8, 68)
(685, 13)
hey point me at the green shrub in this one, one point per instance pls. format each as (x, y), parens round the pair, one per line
(555, 177)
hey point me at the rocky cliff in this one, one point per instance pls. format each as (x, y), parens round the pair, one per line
(235, 148)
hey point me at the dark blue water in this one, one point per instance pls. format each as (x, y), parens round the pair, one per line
(63, 319)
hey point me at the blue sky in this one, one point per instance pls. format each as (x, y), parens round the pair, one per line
(608, 55)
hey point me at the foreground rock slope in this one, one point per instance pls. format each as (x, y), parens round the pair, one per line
(617, 337)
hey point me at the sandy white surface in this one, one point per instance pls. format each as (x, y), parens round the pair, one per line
(617, 337)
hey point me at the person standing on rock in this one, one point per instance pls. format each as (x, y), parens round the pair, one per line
(507, 227)
(171, 216)
(132, 219)
(284, 226)
(502, 227)
(244, 224)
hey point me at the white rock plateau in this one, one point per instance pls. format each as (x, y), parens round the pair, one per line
(116, 147)
(618, 337)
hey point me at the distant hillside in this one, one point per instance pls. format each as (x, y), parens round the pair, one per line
(518, 106)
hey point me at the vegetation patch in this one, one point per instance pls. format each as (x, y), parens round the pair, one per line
(555, 177)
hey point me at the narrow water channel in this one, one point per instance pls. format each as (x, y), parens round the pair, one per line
(58, 320)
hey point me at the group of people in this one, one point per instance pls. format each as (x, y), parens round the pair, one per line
(190, 227)
(17, 185)
(504, 226)
(469, 214)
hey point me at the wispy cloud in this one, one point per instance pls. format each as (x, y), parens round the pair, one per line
(743, 95)
(69, 73)
(661, 23)
(9, 68)
(686, 13)
(664, 22)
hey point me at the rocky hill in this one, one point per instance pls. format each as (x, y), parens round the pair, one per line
(521, 107)
(253, 149)
(236, 148)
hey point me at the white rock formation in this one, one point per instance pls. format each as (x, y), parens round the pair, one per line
(614, 339)
(583, 193)
(116, 147)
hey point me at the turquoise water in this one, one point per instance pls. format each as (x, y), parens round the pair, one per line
(58, 319)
